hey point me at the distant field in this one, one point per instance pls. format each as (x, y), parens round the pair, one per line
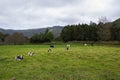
(79, 63)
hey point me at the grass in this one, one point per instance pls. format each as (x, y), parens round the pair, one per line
(79, 63)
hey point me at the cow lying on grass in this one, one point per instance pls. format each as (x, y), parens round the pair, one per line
(49, 50)
(31, 53)
(85, 44)
(19, 58)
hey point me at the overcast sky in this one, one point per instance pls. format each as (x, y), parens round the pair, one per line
(28, 14)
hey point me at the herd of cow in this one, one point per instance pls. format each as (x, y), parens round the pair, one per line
(20, 57)
(49, 51)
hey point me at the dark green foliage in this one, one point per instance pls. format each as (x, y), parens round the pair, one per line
(40, 38)
(48, 36)
(2, 36)
(66, 33)
(104, 31)
(109, 31)
(93, 32)
(79, 32)
(58, 38)
(16, 38)
(37, 38)
(115, 30)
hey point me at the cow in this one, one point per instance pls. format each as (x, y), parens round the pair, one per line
(49, 50)
(51, 46)
(67, 47)
(85, 44)
(31, 53)
(19, 58)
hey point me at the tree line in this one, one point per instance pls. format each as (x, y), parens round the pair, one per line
(18, 38)
(103, 31)
(47, 36)
(93, 32)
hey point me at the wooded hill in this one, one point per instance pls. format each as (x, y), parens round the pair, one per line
(56, 30)
(103, 31)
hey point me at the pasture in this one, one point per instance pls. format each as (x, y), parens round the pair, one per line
(79, 63)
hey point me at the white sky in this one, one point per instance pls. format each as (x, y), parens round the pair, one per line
(28, 14)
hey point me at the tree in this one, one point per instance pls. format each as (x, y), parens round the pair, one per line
(42, 37)
(93, 36)
(2, 36)
(35, 38)
(80, 32)
(66, 34)
(48, 36)
(115, 30)
(16, 38)
(104, 33)
(58, 38)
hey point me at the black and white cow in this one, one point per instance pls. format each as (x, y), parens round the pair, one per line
(31, 53)
(19, 57)
(49, 50)
(51, 46)
(67, 47)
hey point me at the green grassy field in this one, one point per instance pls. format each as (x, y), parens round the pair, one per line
(79, 63)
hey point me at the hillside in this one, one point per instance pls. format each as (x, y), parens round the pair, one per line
(56, 30)
(116, 23)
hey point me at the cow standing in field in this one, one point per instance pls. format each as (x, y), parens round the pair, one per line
(19, 58)
(31, 53)
(67, 47)
(50, 49)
